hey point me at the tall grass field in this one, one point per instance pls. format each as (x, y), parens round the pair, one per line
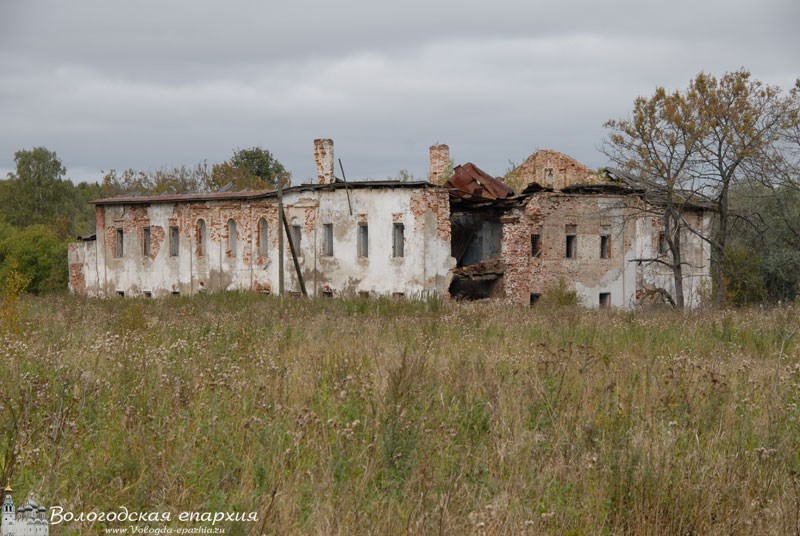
(404, 417)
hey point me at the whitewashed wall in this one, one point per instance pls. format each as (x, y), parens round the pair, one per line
(423, 269)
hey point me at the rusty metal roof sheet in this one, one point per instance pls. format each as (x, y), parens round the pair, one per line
(469, 181)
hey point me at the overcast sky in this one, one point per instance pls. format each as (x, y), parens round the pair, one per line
(146, 84)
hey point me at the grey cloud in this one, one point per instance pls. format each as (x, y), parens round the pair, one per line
(146, 84)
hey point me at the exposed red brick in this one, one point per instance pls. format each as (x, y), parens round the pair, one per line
(77, 279)
(437, 201)
(262, 287)
(157, 236)
(439, 162)
(526, 274)
(323, 157)
(566, 171)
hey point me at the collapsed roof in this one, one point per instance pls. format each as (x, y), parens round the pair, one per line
(656, 193)
(469, 181)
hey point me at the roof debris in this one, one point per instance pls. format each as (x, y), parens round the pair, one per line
(469, 181)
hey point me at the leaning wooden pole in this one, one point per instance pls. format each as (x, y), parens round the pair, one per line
(346, 189)
(294, 255)
(280, 237)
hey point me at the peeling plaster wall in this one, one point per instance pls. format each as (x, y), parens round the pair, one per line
(161, 273)
(423, 270)
(632, 236)
(82, 259)
(133, 273)
(695, 253)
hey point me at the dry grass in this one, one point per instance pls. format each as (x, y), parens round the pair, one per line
(382, 417)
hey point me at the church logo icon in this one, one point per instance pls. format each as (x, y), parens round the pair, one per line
(29, 520)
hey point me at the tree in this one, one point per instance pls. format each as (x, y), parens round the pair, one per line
(695, 145)
(37, 193)
(769, 238)
(175, 180)
(657, 146)
(250, 169)
(247, 169)
(85, 222)
(741, 121)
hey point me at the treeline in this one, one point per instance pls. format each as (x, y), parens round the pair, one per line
(41, 211)
(762, 261)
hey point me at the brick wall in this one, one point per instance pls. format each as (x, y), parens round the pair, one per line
(439, 162)
(553, 170)
(549, 215)
(323, 157)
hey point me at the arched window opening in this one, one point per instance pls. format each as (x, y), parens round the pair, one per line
(201, 238)
(296, 235)
(232, 238)
(263, 238)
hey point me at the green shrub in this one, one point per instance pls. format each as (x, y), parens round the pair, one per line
(38, 255)
(742, 273)
(560, 295)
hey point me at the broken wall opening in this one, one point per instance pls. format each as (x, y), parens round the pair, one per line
(476, 237)
(476, 241)
(479, 281)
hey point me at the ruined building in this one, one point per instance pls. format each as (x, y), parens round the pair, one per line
(462, 233)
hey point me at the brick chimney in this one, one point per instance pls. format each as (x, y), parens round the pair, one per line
(440, 160)
(323, 157)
